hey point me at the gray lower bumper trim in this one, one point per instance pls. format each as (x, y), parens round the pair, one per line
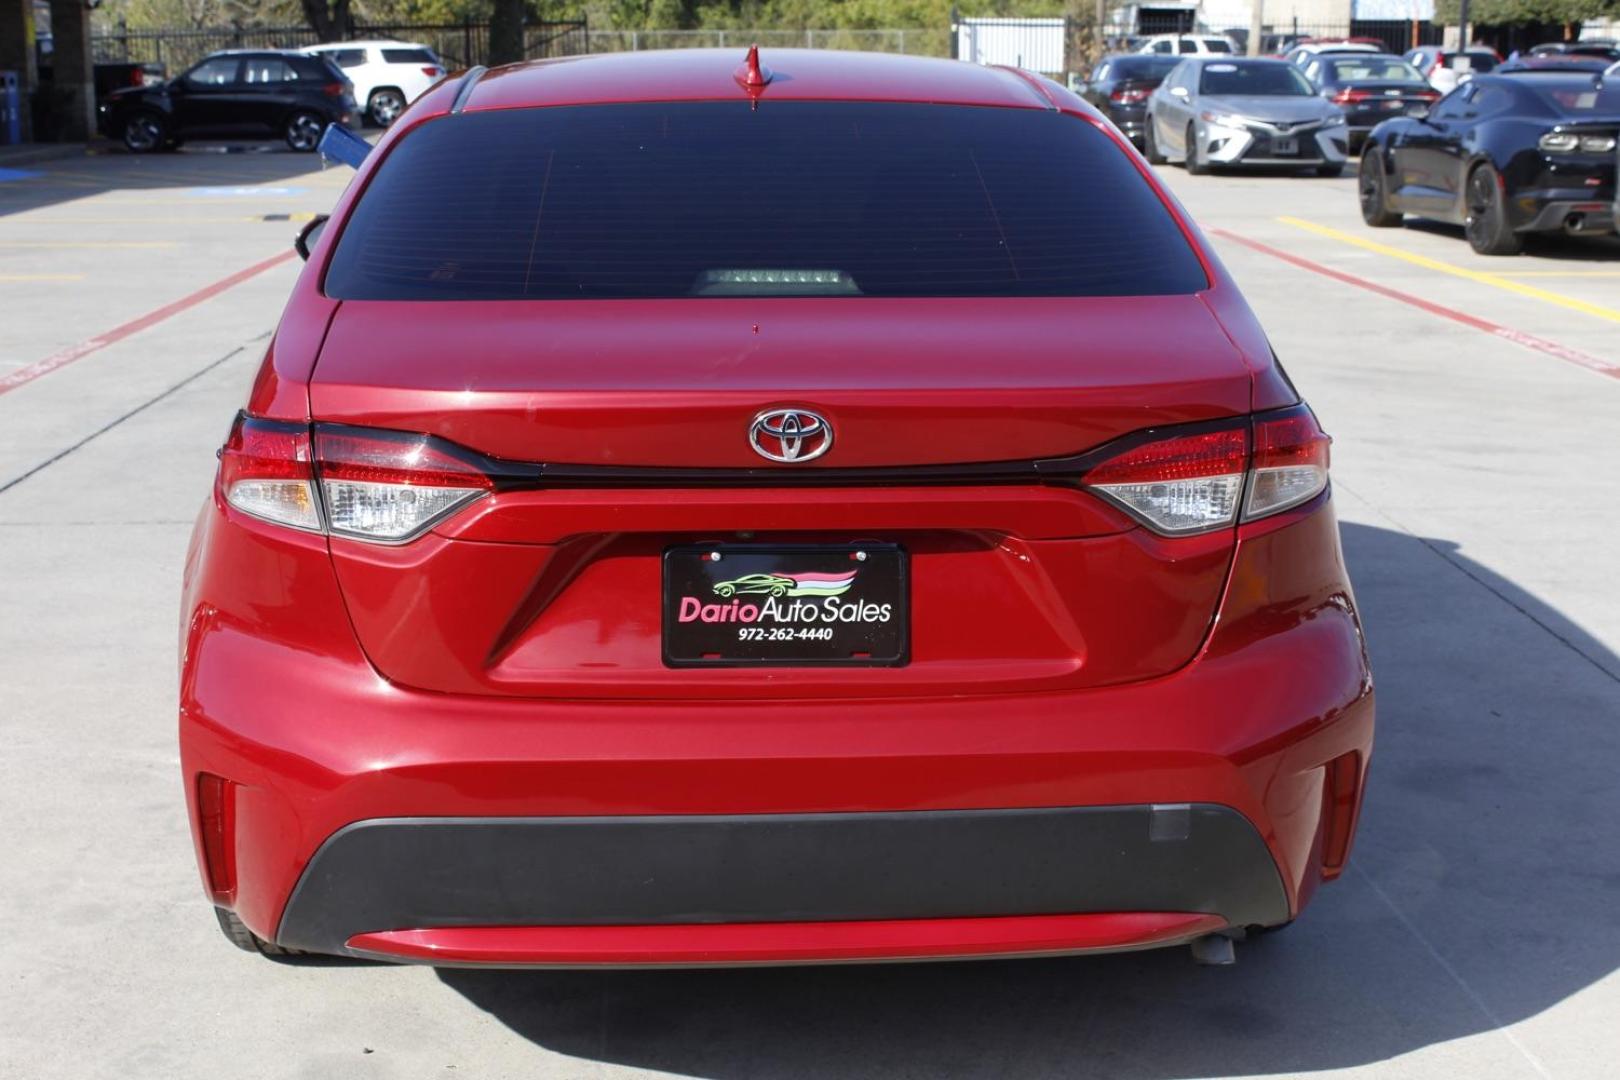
(399, 873)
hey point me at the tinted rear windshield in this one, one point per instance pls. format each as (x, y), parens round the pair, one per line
(1143, 67)
(791, 199)
(1588, 97)
(409, 56)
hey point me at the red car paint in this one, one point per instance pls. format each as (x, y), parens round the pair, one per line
(506, 664)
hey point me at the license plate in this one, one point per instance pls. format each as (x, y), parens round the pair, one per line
(749, 604)
(1285, 146)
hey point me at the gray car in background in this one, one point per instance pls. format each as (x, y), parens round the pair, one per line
(1229, 112)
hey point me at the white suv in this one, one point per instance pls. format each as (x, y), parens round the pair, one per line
(387, 75)
(1187, 44)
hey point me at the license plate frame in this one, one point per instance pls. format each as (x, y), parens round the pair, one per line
(702, 627)
(1285, 146)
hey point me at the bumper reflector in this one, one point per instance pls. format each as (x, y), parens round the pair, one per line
(216, 821)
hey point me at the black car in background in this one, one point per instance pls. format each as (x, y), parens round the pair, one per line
(1566, 63)
(1502, 155)
(1370, 88)
(258, 94)
(1120, 86)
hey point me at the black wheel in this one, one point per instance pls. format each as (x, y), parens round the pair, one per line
(1487, 225)
(1330, 171)
(144, 131)
(1370, 184)
(385, 106)
(245, 939)
(1194, 159)
(304, 130)
(1150, 144)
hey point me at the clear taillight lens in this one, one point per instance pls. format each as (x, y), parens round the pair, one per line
(390, 486)
(1188, 482)
(383, 486)
(1290, 464)
(265, 470)
(1178, 485)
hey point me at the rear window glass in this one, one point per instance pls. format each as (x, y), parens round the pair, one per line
(1143, 67)
(409, 56)
(1383, 70)
(1586, 97)
(796, 198)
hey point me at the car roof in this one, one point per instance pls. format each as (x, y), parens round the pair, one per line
(797, 75)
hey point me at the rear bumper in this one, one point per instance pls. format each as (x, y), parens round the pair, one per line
(799, 868)
(1548, 211)
(937, 824)
(739, 944)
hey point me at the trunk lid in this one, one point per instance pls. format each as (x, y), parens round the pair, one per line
(557, 592)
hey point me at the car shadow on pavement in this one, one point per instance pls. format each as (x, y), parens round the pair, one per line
(201, 170)
(1593, 247)
(1481, 893)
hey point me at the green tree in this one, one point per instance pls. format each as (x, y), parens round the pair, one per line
(1508, 12)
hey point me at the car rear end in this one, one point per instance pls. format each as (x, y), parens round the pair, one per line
(1371, 89)
(412, 68)
(892, 556)
(1132, 81)
(326, 88)
(1567, 181)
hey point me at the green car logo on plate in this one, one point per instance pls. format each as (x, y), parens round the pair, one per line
(787, 585)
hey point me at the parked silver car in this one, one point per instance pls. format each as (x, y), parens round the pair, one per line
(1221, 112)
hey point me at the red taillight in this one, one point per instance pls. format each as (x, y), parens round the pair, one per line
(1290, 463)
(1190, 482)
(1348, 97)
(431, 72)
(1129, 95)
(390, 486)
(386, 486)
(334, 89)
(266, 470)
(1181, 484)
(216, 823)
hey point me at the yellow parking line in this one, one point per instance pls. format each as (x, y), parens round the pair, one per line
(1559, 273)
(1494, 280)
(41, 277)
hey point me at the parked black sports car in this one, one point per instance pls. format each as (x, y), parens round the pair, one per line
(234, 95)
(1503, 155)
(1370, 88)
(1120, 86)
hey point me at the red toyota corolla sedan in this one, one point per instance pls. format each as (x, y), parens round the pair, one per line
(702, 513)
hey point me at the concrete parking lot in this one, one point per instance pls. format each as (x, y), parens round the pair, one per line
(1476, 407)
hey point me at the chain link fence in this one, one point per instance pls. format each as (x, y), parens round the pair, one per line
(1077, 43)
(460, 44)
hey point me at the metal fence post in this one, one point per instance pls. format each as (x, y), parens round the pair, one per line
(956, 49)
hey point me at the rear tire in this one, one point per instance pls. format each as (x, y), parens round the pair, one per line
(1150, 144)
(1371, 189)
(1486, 225)
(385, 106)
(1194, 159)
(237, 933)
(303, 131)
(144, 131)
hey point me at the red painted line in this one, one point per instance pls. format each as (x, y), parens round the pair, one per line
(24, 375)
(1518, 337)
